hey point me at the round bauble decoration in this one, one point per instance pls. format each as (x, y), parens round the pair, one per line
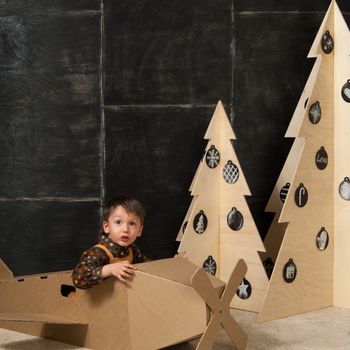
(345, 91)
(315, 112)
(209, 265)
(212, 157)
(327, 42)
(344, 189)
(322, 239)
(301, 196)
(230, 172)
(200, 222)
(284, 192)
(235, 219)
(289, 271)
(321, 158)
(244, 290)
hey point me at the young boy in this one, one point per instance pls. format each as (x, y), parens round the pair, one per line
(115, 253)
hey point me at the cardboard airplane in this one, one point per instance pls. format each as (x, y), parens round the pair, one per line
(166, 303)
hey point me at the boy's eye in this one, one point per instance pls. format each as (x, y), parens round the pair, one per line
(118, 222)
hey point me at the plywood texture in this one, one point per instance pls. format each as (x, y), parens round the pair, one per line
(320, 275)
(216, 197)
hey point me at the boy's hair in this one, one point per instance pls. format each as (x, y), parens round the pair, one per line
(131, 205)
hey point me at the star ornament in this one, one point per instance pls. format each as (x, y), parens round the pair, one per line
(244, 290)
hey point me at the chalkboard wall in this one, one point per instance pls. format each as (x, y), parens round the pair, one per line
(102, 97)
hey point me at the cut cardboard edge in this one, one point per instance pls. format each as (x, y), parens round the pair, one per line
(5, 272)
(178, 269)
(37, 317)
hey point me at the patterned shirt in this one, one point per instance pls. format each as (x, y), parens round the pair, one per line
(88, 271)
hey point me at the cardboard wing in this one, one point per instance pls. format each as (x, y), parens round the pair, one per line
(157, 309)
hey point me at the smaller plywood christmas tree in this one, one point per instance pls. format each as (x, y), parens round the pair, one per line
(220, 229)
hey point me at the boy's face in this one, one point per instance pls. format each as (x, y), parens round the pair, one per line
(122, 227)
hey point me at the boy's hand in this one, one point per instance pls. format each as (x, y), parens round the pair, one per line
(122, 270)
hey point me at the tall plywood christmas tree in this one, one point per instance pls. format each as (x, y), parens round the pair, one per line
(311, 267)
(220, 229)
(277, 229)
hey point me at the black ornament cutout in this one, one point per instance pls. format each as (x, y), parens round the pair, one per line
(244, 290)
(306, 101)
(322, 239)
(327, 42)
(345, 91)
(321, 158)
(212, 157)
(230, 172)
(268, 265)
(184, 226)
(235, 219)
(200, 222)
(344, 189)
(301, 196)
(315, 112)
(209, 265)
(284, 192)
(289, 271)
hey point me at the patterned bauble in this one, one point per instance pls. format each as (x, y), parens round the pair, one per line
(212, 157)
(321, 158)
(289, 271)
(230, 172)
(244, 290)
(327, 42)
(315, 112)
(284, 192)
(200, 222)
(209, 265)
(301, 196)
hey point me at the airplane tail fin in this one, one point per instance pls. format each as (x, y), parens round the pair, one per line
(5, 272)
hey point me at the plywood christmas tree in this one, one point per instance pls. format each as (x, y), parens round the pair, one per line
(277, 229)
(220, 228)
(312, 263)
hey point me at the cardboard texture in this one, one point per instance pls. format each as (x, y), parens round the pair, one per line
(219, 189)
(220, 307)
(311, 269)
(157, 309)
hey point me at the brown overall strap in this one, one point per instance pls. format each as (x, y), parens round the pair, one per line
(113, 259)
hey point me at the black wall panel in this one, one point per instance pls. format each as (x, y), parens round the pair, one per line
(167, 52)
(42, 236)
(50, 132)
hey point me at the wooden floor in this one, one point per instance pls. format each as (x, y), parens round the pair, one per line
(323, 329)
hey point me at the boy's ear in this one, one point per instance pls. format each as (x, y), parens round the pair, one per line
(105, 226)
(140, 233)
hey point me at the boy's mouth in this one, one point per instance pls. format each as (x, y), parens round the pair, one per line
(124, 238)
